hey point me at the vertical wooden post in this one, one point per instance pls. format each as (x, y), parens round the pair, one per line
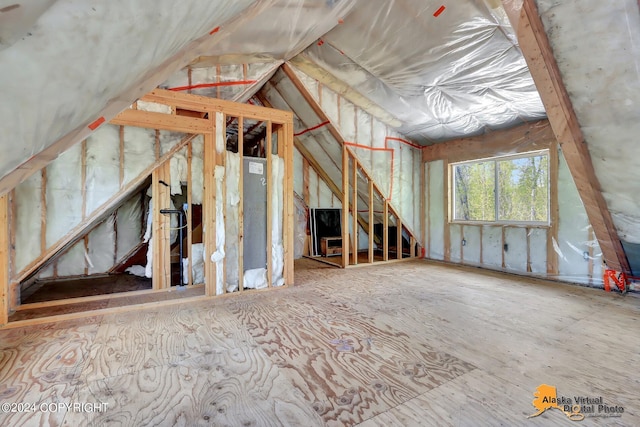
(288, 203)
(371, 229)
(345, 207)
(412, 247)
(189, 225)
(447, 211)
(241, 204)
(399, 238)
(4, 260)
(423, 203)
(43, 210)
(554, 217)
(209, 209)
(269, 154)
(385, 231)
(427, 209)
(527, 230)
(161, 227)
(354, 210)
(305, 181)
(461, 245)
(12, 296)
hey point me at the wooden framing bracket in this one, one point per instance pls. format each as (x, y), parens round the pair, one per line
(537, 51)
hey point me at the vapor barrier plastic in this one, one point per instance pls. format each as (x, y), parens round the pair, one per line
(462, 74)
(28, 220)
(84, 56)
(64, 194)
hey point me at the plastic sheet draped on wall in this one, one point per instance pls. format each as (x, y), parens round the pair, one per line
(80, 56)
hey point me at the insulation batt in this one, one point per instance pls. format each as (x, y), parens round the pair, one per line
(219, 254)
(197, 251)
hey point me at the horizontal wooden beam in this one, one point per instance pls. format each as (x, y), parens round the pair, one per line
(527, 137)
(537, 51)
(205, 104)
(147, 119)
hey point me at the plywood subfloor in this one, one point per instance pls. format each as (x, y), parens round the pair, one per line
(409, 343)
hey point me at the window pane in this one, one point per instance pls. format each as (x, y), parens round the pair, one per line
(474, 191)
(523, 189)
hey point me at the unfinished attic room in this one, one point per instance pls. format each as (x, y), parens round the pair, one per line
(319, 213)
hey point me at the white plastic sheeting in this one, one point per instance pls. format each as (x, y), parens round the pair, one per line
(460, 71)
(139, 149)
(103, 168)
(237, 82)
(28, 221)
(80, 57)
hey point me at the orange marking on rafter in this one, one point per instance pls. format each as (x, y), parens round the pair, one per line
(98, 122)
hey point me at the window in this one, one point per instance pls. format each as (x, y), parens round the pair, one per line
(505, 189)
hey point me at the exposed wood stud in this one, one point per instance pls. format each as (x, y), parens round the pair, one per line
(428, 209)
(43, 211)
(4, 260)
(189, 251)
(502, 250)
(269, 154)
(345, 207)
(461, 245)
(305, 181)
(412, 248)
(528, 231)
(385, 231)
(288, 224)
(371, 224)
(241, 205)
(85, 242)
(13, 217)
(209, 209)
(447, 216)
(161, 227)
(554, 210)
(354, 210)
(399, 237)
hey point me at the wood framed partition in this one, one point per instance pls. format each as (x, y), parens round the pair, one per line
(195, 115)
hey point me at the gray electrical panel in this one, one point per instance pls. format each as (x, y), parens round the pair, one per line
(255, 212)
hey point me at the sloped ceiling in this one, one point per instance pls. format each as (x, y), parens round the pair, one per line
(433, 71)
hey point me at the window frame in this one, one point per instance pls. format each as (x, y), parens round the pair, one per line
(496, 160)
